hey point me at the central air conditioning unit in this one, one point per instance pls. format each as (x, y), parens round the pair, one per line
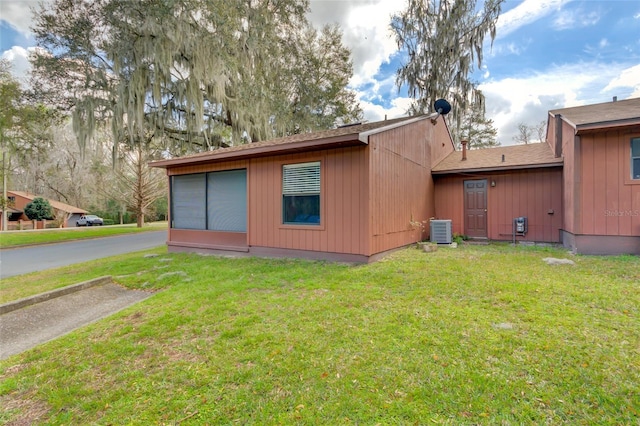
(440, 231)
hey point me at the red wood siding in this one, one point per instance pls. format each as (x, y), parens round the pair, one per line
(212, 167)
(401, 188)
(571, 177)
(610, 201)
(449, 201)
(369, 195)
(235, 241)
(343, 227)
(440, 142)
(530, 193)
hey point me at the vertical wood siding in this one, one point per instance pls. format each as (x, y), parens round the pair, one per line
(401, 188)
(530, 193)
(343, 227)
(440, 142)
(610, 202)
(571, 178)
(449, 201)
(369, 193)
(212, 167)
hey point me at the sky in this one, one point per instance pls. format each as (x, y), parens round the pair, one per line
(547, 54)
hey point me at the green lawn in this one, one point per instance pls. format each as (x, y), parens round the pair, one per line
(475, 335)
(22, 238)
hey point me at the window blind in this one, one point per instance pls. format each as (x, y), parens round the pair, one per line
(188, 199)
(227, 201)
(303, 178)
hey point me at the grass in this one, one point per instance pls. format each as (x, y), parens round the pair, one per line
(22, 238)
(476, 335)
(20, 286)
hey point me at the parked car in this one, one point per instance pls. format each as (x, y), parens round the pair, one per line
(89, 220)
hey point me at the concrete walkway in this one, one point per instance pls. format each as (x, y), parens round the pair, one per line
(29, 322)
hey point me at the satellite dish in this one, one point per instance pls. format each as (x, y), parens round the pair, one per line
(442, 107)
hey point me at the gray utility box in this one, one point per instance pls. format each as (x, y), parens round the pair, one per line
(440, 231)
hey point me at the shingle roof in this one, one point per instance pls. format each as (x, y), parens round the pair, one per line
(345, 135)
(11, 210)
(603, 114)
(500, 158)
(57, 205)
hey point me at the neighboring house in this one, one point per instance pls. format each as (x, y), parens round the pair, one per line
(601, 178)
(20, 199)
(353, 193)
(347, 194)
(581, 188)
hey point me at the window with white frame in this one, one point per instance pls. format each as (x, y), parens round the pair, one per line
(635, 158)
(301, 194)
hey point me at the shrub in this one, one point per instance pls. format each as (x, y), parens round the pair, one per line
(39, 209)
(458, 238)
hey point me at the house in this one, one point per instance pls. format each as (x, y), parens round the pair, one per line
(580, 188)
(347, 194)
(600, 145)
(19, 199)
(356, 192)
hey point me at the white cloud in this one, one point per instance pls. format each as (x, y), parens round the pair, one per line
(527, 99)
(628, 78)
(18, 13)
(374, 112)
(366, 31)
(370, 39)
(577, 19)
(18, 56)
(526, 13)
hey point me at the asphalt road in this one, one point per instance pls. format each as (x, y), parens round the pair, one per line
(19, 261)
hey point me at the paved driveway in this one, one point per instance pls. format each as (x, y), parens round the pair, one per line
(19, 261)
(32, 325)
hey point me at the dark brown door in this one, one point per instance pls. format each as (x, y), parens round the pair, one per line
(475, 208)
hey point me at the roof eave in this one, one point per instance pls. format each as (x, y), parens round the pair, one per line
(496, 169)
(364, 136)
(264, 151)
(606, 125)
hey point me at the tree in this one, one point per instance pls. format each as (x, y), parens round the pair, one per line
(197, 74)
(541, 130)
(476, 128)
(137, 186)
(39, 209)
(526, 132)
(10, 100)
(10, 95)
(443, 39)
(321, 71)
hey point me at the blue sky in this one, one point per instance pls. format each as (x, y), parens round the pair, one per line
(548, 54)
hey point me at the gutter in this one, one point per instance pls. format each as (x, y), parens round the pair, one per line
(495, 169)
